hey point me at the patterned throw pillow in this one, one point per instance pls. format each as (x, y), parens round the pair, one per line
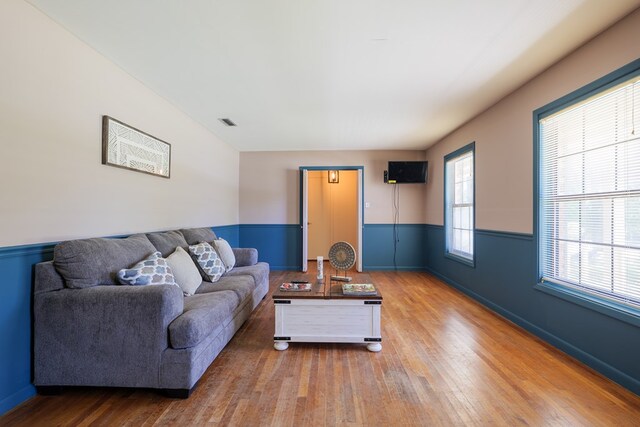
(151, 271)
(208, 260)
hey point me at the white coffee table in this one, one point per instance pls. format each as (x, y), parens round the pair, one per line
(326, 315)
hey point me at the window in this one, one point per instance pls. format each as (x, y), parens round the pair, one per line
(589, 192)
(459, 204)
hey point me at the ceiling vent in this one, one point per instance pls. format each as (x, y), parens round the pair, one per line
(227, 122)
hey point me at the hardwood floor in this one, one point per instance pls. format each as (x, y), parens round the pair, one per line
(446, 360)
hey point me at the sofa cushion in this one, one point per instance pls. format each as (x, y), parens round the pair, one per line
(203, 314)
(242, 286)
(194, 236)
(185, 271)
(167, 241)
(91, 262)
(226, 253)
(245, 256)
(259, 272)
(151, 271)
(208, 261)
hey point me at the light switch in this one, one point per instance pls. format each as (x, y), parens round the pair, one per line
(367, 204)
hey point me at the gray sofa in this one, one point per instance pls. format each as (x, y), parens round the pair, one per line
(91, 331)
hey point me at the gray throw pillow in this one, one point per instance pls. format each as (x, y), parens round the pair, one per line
(226, 253)
(185, 271)
(208, 261)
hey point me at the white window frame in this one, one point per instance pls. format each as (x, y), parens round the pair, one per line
(615, 303)
(453, 247)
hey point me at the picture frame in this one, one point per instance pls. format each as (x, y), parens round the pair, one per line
(126, 147)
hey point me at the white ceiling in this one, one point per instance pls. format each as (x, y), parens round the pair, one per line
(334, 74)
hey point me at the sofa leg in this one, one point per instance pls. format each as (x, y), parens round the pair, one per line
(49, 390)
(178, 393)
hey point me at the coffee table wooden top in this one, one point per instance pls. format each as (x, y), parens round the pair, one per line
(326, 289)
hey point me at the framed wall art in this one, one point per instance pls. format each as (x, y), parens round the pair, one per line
(126, 147)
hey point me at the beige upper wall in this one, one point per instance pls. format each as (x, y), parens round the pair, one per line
(504, 133)
(54, 90)
(270, 185)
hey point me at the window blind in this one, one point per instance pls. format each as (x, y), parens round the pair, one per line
(460, 203)
(589, 194)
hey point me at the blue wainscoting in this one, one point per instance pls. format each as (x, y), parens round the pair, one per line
(280, 245)
(503, 280)
(377, 242)
(16, 271)
(230, 233)
(277, 244)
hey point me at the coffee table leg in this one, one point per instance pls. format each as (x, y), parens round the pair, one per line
(374, 346)
(280, 345)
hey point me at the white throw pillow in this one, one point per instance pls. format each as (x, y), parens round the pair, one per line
(185, 271)
(226, 253)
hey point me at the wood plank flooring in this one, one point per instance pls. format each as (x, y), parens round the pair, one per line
(446, 360)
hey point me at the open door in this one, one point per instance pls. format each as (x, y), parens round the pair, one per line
(304, 214)
(305, 219)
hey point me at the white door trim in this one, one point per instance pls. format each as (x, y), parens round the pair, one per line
(360, 223)
(305, 218)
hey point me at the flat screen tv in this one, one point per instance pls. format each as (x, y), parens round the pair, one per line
(407, 173)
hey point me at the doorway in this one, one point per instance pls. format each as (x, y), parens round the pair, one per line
(330, 211)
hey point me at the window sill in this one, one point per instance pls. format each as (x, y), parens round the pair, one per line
(602, 306)
(460, 259)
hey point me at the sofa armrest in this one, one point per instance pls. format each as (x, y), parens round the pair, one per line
(104, 335)
(245, 256)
